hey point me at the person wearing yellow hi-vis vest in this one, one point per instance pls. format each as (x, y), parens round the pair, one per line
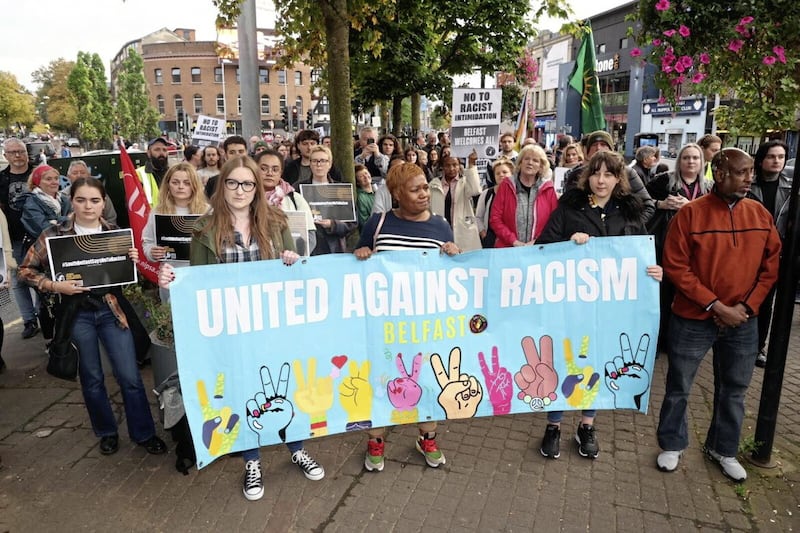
(711, 144)
(152, 172)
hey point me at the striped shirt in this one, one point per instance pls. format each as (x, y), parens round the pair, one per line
(400, 234)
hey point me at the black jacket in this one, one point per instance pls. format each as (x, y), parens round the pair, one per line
(637, 189)
(574, 214)
(291, 172)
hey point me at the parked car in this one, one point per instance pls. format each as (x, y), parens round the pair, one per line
(36, 147)
(72, 141)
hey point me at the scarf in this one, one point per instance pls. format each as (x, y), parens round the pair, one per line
(51, 202)
(276, 196)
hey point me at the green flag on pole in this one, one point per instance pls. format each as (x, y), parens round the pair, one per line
(584, 80)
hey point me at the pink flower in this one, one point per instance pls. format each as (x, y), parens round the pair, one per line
(684, 31)
(779, 53)
(705, 58)
(735, 45)
(662, 100)
(656, 42)
(746, 20)
(679, 67)
(677, 81)
(698, 77)
(636, 52)
(768, 60)
(670, 33)
(742, 30)
(666, 69)
(662, 5)
(686, 61)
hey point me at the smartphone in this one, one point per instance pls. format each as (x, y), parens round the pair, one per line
(370, 141)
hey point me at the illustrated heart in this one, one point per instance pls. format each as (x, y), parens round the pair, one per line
(339, 361)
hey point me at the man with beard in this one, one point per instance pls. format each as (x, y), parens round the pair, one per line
(152, 172)
(13, 186)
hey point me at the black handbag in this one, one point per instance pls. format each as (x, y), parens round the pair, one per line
(63, 360)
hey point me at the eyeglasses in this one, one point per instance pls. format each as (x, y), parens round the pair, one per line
(319, 161)
(247, 186)
(15, 152)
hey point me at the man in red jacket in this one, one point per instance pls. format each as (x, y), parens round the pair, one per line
(722, 253)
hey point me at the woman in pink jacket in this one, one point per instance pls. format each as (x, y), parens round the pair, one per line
(524, 201)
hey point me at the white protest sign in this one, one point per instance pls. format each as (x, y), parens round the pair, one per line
(208, 131)
(476, 122)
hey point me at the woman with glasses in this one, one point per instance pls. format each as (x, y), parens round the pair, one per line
(331, 233)
(242, 227)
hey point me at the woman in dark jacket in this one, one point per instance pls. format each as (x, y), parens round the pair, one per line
(600, 206)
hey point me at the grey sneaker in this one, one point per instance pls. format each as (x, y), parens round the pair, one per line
(729, 465)
(308, 465)
(253, 486)
(668, 460)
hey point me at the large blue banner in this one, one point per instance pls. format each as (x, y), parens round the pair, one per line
(269, 353)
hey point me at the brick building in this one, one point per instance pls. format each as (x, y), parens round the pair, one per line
(187, 78)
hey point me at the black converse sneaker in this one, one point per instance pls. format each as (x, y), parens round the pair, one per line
(253, 487)
(308, 465)
(551, 442)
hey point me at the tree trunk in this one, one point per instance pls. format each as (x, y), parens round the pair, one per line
(415, 113)
(397, 115)
(337, 29)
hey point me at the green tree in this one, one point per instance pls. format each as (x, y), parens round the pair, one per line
(60, 107)
(136, 118)
(747, 49)
(16, 105)
(89, 89)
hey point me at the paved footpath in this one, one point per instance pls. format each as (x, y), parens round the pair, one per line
(53, 478)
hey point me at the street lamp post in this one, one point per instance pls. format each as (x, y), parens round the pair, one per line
(222, 63)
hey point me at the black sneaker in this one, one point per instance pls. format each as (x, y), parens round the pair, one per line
(551, 442)
(31, 329)
(252, 486)
(2, 365)
(587, 442)
(761, 359)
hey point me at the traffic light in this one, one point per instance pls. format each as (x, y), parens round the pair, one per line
(309, 119)
(284, 118)
(180, 120)
(295, 121)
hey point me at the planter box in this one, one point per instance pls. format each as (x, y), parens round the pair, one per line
(163, 360)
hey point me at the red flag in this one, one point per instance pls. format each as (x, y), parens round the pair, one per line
(138, 213)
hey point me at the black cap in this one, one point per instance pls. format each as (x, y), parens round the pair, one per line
(161, 140)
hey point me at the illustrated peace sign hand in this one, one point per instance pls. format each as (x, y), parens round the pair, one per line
(626, 376)
(270, 411)
(461, 394)
(498, 381)
(404, 392)
(314, 396)
(220, 426)
(355, 394)
(537, 379)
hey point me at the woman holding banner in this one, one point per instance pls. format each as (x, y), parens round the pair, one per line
(409, 226)
(95, 315)
(179, 194)
(601, 205)
(242, 227)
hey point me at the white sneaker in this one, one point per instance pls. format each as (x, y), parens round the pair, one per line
(308, 465)
(729, 465)
(668, 460)
(253, 487)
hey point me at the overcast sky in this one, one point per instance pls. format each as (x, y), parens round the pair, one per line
(35, 33)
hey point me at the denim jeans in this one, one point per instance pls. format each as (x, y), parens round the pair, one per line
(23, 294)
(554, 417)
(252, 455)
(89, 327)
(734, 353)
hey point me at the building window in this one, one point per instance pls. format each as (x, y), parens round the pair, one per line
(237, 74)
(160, 104)
(601, 48)
(623, 43)
(282, 102)
(159, 76)
(176, 75)
(298, 104)
(195, 74)
(322, 107)
(298, 78)
(282, 77)
(220, 104)
(217, 74)
(315, 74)
(264, 104)
(178, 104)
(239, 104)
(263, 75)
(198, 104)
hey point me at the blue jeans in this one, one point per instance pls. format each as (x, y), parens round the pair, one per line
(89, 327)
(554, 417)
(252, 455)
(734, 352)
(22, 292)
